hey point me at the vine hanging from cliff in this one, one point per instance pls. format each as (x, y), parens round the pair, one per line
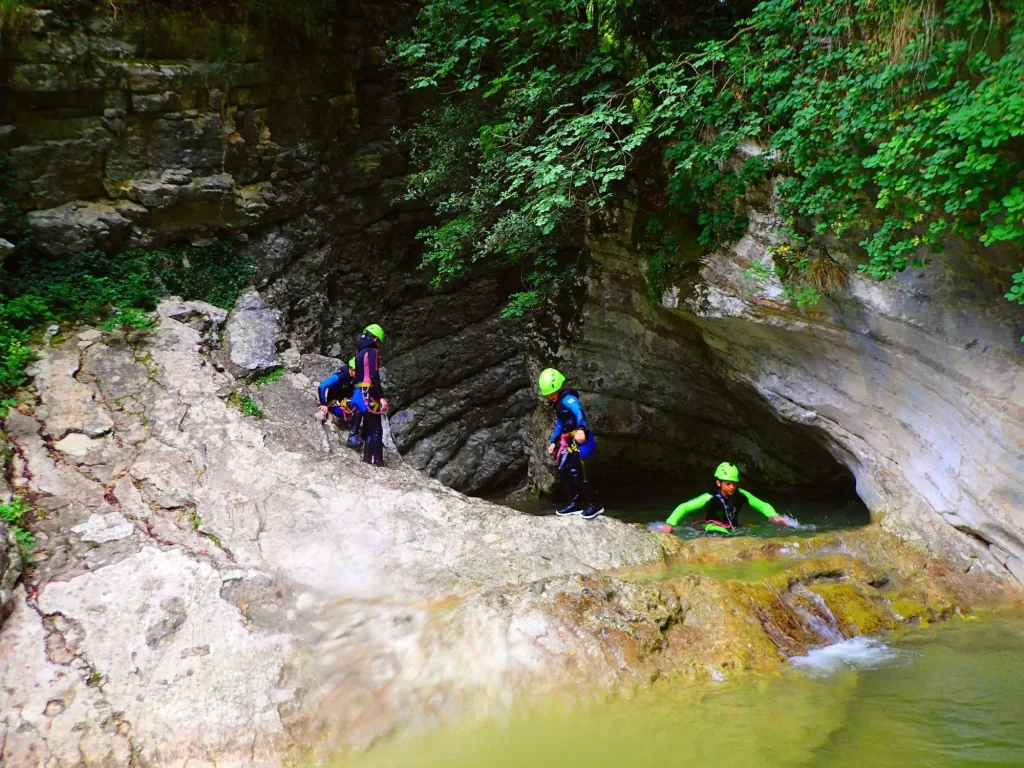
(898, 122)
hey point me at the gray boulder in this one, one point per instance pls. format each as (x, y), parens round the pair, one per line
(251, 336)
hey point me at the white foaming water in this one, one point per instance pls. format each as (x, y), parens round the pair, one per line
(792, 522)
(857, 652)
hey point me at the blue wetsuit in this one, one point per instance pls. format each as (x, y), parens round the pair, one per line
(335, 390)
(570, 455)
(336, 393)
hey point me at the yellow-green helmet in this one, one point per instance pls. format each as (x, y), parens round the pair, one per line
(728, 472)
(352, 362)
(550, 381)
(375, 330)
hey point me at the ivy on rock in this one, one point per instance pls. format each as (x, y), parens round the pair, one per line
(894, 123)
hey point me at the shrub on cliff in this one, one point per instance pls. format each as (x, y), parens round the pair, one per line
(895, 122)
(118, 288)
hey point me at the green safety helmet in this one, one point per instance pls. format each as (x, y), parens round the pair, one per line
(352, 363)
(375, 330)
(728, 472)
(550, 381)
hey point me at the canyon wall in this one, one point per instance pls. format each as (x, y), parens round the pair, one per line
(916, 384)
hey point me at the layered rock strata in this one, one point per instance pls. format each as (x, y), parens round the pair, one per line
(916, 384)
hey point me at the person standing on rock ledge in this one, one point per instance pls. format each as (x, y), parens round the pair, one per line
(369, 397)
(335, 394)
(720, 511)
(572, 443)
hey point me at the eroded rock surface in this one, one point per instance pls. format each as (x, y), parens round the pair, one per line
(916, 383)
(181, 541)
(190, 553)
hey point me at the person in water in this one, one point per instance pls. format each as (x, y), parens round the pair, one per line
(368, 397)
(335, 394)
(572, 443)
(719, 512)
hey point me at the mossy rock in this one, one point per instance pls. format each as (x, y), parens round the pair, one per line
(856, 613)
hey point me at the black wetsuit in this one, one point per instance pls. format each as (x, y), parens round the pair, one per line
(367, 399)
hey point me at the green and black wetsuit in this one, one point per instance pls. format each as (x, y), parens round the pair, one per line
(720, 513)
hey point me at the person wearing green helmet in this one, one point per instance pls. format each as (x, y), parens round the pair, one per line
(335, 394)
(719, 512)
(572, 443)
(368, 397)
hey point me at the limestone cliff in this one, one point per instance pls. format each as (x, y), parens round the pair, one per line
(163, 127)
(211, 588)
(915, 384)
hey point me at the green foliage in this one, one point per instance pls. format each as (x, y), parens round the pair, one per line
(1016, 292)
(895, 122)
(274, 374)
(251, 408)
(118, 289)
(13, 222)
(129, 320)
(13, 514)
(537, 124)
(247, 405)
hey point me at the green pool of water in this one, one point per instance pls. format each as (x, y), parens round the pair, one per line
(950, 696)
(649, 505)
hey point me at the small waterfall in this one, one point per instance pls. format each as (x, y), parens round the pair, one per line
(819, 618)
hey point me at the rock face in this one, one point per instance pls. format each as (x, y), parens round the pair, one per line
(916, 384)
(251, 336)
(180, 128)
(126, 134)
(178, 544)
(10, 570)
(653, 390)
(191, 553)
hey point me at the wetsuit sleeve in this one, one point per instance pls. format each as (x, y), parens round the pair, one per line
(763, 507)
(573, 404)
(375, 388)
(325, 385)
(557, 433)
(687, 507)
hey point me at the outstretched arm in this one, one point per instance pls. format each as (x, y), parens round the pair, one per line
(557, 432)
(763, 507)
(325, 385)
(687, 507)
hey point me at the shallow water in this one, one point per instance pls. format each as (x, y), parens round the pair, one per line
(946, 697)
(647, 505)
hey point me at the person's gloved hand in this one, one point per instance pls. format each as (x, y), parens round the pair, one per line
(778, 521)
(666, 528)
(580, 436)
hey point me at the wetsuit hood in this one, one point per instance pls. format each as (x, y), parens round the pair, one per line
(366, 340)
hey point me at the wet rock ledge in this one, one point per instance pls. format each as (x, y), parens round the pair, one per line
(189, 552)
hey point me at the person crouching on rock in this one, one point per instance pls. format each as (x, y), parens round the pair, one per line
(719, 512)
(335, 394)
(572, 443)
(368, 397)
